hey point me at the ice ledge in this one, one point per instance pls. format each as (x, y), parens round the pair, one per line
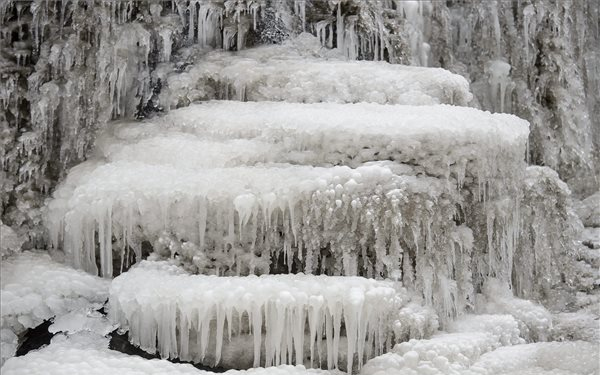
(179, 315)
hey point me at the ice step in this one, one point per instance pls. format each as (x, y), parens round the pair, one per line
(442, 140)
(235, 220)
(280, 73)
(178, 315)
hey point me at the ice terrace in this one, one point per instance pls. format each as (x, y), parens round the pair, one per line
(300, 319)
(228, 213)
(297, 72)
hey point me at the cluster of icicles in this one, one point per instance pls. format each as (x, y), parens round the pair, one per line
(181, 315)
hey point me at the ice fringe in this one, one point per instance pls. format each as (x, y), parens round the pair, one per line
(292, 318)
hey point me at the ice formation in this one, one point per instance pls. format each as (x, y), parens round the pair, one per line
(35, 288)
(109, 55)
(81, 354)
(178, 315)
(565, 358)
(437, 197)
(448, 353)
(534, 320)
(380, 219)
(279, 73)
(10, 242)
(485, 345)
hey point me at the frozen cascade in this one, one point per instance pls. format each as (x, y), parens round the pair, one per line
(34, 31)
(151, 179)
(284, 314)
(450, 209)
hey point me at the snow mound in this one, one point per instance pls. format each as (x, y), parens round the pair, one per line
(270, 74)
(241, 207)
(155, 301)
(82, 355)
(35, 288)
(535, 321)
(448, 353)
(577, 357)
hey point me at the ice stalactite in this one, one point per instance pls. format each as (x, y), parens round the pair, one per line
(414, 14)
(500, 84)
(299, 319)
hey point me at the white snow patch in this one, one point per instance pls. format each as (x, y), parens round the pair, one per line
(35, 288)
(86, 353)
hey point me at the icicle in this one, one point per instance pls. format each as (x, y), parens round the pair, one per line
(340, 27)
(499, 80)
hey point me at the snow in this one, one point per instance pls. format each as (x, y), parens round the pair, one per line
(282, 73)
(535, 321)
(447, 353)
(36, 288)
(82, 354)
(577, 357)
(147, 300)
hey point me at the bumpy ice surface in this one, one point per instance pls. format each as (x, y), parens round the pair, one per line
(36, 288)
(148, 299)
(291, 73)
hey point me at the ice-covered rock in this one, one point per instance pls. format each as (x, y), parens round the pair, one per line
(588, 210)
(36, 288)
(178, 315)
(442, 139)
(448, 353)
(577, 357)
(277, 73)
(250, 212)
(88, 354)
(10, 242)
(535, 321)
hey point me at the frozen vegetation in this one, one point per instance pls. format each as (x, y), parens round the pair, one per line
(313, 186)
